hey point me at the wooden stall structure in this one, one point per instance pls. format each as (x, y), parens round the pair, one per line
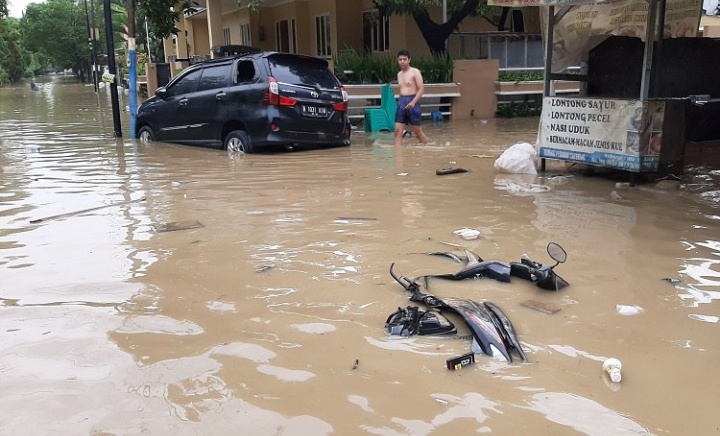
(633, 113)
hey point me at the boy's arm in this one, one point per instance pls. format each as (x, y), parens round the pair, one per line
(420, 87)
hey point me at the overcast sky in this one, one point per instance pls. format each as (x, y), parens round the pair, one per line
(17, 7)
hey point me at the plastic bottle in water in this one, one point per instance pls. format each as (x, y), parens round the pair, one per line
(613, 366)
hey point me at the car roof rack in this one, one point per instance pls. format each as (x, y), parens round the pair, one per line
(233, 50)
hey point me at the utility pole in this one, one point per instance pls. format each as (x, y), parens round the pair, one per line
(90, 46)
(95, 38)
(132, 56)
(112, 78)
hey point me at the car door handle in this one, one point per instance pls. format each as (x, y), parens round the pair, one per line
(183, 102)
(220, 96)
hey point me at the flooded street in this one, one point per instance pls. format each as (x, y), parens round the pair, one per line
(200, 293)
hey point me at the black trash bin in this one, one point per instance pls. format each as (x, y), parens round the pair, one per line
(163, 74)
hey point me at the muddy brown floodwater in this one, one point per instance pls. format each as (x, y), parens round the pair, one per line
(248, 294)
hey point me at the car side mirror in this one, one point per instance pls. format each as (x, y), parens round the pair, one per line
(161, 92)
(556, 252)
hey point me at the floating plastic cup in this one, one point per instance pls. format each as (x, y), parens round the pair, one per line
(613, 366)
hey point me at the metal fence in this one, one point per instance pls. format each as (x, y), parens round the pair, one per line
(512, 50)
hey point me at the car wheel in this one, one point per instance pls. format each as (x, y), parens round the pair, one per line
(146, 135)
(238, 141)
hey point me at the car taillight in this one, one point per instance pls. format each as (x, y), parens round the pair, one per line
(272, 95)
(342, 106)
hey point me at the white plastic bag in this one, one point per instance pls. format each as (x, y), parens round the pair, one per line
(517, 159)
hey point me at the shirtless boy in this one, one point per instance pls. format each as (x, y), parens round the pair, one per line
(411, 90)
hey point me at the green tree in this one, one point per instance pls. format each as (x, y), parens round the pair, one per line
(3, 8)
(436, 34)
(162, 15)
(12, 60)
(57, 29)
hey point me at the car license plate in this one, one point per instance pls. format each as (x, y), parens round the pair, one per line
(313, 111)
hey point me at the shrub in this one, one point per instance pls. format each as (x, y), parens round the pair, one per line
(521, 76)
(368, 68)
(4, 76)
(530, 108)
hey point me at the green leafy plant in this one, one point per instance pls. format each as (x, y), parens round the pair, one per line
(521, 76)
(4, 76)
(435, 69)
(142, 59)
(530, 108)
(354, 67)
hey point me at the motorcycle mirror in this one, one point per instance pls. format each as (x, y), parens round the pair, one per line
(556, 252)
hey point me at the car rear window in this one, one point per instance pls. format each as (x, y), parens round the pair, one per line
(302, 71)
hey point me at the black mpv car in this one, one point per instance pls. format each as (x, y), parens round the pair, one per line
(243, 103)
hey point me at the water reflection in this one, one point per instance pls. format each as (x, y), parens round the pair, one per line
(271, 309)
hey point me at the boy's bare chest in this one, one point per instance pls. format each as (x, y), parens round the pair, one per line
(407, 78)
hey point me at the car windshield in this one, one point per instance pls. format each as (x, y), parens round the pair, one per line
(302, 71)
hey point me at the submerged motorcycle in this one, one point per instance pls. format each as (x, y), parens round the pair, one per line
(491, 329)
(542, 275)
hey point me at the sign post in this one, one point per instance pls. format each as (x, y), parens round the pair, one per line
(112, 69)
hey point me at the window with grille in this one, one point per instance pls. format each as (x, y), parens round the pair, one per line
(322, 35)
(376, 32)
(245, 34)
(226, 36)
(285, 36)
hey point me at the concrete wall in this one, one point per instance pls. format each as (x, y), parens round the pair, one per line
(477, 88)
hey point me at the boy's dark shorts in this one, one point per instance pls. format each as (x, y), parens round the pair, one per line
(408, 116)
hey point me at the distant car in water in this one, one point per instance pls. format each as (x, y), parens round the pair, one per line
(249, 102)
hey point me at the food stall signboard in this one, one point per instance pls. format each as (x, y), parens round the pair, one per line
(622, 134)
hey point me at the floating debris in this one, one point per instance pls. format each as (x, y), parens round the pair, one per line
(263, 268)
(458, 362)
(467, 234)
(177, 225)
(628, 310)
(452, 170)
(548, 308)
(92, 209)
(615, 196)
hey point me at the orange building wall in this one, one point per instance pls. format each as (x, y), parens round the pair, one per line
(198, 36)
(477, 88)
